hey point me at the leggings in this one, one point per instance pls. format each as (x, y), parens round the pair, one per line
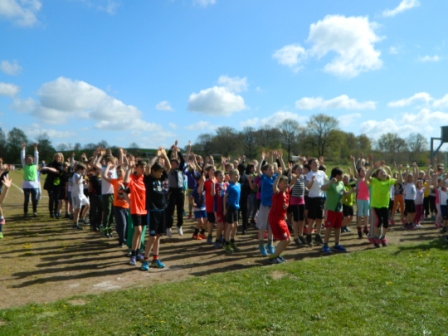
(381, 217)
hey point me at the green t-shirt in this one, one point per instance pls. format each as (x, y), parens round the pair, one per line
(334, 196)
(380, 192)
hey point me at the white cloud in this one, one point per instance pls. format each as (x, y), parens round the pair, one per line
(22, 12)
(235, 84)
(291, 55)
(418, 97)
(348, 119)
(352, 38)
(36, 130)
(427, 58)
(393, 50)
(424, 122)
(164, 106)
(204, 3)
(65, 99)
(217, 100)
(250, 122)
(11, 68)
(403, 6)
(441, 103)
(200, 125)
(9, 90)
(172, 125)
(340, 102)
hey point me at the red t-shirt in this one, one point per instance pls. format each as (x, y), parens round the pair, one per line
(280, 202)
(138, 192)
(209, 199)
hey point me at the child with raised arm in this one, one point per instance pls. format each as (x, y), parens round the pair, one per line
(197, 200)
(5, 183)
(315, 179)
(232, 201)
(137, 204)
(380, 182)
(410, 193)
(219, 192)
(362, 198)
(30, 184)
(335, 190)
(156, 205)
(79, 200)
(277, 217)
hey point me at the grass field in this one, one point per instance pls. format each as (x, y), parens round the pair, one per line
(399, 290)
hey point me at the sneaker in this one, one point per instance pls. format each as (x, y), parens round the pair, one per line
(217, 244)
(145, 266)
(234, 247)
(275, 261)
(376, 242)
(51, 215)
(344, 229)
(417, 226)
(303, 240)
(209, 239)
(189, 216)
(309, 240)
(281, 258)
(103, 231)
(57, 215)
(85, 221)
(140, 257)
(227, 248)
(1, 235)
(339, 248)
(34, 214)
(196, 237)
(347, 229)
(318, 239)
(129, 253)
(297, 242)
(169, 233)
(66, 215)
(326, 249)
(437, 225)
(270, 249)
(202, 235)
(132, 261)
(391, 222)
(184, 213)
(365, 231)
(157, 264)
(383, 241)
(263, 251)
(180, 231)
(77, 227)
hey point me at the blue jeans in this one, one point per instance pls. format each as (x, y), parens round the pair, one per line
(121, 221)
(27, 192)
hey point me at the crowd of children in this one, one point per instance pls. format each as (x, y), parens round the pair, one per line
(133, 196)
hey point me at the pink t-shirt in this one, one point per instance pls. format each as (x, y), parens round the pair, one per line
(363, 191)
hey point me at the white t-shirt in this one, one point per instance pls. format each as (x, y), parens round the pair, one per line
(106, 187)
(78, 186)
(410, 191)
(442, 196)
(321, 179)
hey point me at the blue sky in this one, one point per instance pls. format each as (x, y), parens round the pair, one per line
(155, 71)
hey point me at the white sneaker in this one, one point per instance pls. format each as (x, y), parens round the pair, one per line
(180, 231)
(169, 233)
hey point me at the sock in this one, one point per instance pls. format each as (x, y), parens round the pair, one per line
(232, 241)
(196, 231)
(134, 253)
(155, 257)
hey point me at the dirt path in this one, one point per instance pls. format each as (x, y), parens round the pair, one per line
(43, 260)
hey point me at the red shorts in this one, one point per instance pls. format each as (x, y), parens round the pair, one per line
(279, 229)
(334, 219)
(219, 216)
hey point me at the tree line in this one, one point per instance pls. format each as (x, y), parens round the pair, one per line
(320, 136)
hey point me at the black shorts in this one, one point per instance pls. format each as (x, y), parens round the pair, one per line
(298, 212)
(156, 225)
(306, 202)
(231, 215)
(409, 206)
(211, 217)
(139, 220)
(347, 210)
(316, 207)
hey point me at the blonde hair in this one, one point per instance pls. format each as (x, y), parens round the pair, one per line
(60, 155)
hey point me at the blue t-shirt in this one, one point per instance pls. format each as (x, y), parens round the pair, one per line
(234, 192)
(198, 198)
(266, 189)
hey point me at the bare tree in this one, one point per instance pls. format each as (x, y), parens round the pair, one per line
(289, 134)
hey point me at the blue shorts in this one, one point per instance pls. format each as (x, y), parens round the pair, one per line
(363, 209)
(200, 214)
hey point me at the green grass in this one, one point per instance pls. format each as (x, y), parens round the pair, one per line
(399, 290)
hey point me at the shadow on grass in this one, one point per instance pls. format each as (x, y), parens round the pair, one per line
(438, 243)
